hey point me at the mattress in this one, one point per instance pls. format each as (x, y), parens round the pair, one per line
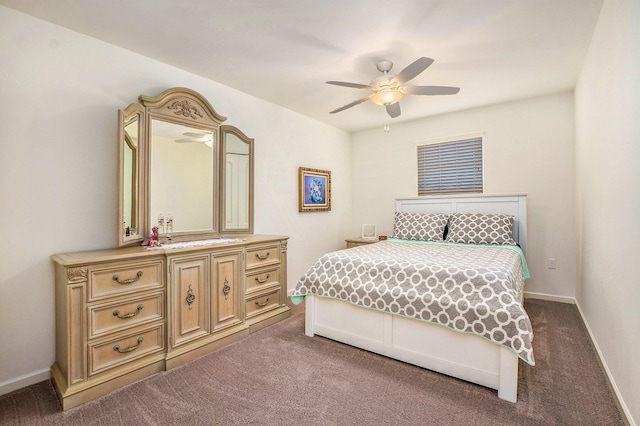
(468, 288)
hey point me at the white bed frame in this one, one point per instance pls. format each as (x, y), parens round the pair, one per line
(465, 356)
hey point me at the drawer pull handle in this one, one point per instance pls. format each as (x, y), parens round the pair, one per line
(259, 281)
(262, 305)
(262, 257)
(116, 313)
(129, 281)
(190, 297)
(226, 289)
(130, 348)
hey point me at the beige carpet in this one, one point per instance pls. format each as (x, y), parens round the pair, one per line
(278, 376)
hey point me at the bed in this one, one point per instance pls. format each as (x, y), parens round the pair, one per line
(452, 306)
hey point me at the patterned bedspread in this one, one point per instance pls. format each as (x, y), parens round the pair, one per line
(470, 289)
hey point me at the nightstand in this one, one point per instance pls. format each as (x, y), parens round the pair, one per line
(355, 242)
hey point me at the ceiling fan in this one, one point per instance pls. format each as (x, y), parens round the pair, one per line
(206, 138)
(388, 89)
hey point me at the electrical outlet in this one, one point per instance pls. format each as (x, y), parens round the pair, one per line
(551, 263)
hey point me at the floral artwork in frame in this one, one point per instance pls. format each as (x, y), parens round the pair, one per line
(314, 190)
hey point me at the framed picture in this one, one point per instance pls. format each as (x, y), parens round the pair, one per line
(369, 232)
(314, 190)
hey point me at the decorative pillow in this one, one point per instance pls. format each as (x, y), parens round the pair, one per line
(475, 228)
(419, 227)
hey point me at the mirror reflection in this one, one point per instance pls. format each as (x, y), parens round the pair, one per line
(237, 173)
(130, 178)
(182, 174)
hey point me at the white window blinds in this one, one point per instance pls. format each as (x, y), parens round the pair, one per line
(450, 167)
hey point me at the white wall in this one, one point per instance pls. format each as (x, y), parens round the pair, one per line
(528, 147)
(61, 92)
(608, 188)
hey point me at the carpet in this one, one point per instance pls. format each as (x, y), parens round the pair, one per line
(278, 376)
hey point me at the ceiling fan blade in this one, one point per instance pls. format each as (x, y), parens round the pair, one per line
(430, 90)
(195, 135)
(345, 84)
(354, 103)
(393, 110)
(413, 69)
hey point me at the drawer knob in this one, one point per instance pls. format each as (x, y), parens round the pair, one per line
(116, 313)
(130, 348)
(262, 305)
(259, 281)
(226, 289)
(262, 257)
(129, 281)
(190, 297)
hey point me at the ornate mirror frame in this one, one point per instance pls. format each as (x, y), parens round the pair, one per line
(188, 108)
(131, 222)
(180, 107)
(236, 182)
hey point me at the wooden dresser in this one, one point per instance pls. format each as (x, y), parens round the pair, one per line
(125, 314)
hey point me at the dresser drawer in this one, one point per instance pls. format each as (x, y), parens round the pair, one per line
(262, 279)
(112, 353)
(263, 256)
(121, 315)
(121, 279)
(263, 303)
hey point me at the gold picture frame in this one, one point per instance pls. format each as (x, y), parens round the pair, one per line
(314, 190)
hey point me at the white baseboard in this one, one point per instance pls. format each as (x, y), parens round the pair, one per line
(24, 381)
(612, 382)
(550, 297)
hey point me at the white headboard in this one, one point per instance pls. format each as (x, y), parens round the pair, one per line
(511, 204)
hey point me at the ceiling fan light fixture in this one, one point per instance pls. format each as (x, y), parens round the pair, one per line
(386, 97)
(388, 89)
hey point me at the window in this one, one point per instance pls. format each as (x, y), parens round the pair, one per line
(450, 167)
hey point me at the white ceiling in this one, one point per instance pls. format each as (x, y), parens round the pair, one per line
(283, 51)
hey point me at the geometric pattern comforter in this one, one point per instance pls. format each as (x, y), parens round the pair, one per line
(470, 289)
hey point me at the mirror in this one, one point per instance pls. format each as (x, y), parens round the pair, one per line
(183, 167)
(237, 181)
(182, 175)
(129, 218)
(181, 171)
(131, 125)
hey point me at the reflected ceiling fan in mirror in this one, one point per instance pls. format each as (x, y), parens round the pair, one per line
(388, 89)
(206, 138)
